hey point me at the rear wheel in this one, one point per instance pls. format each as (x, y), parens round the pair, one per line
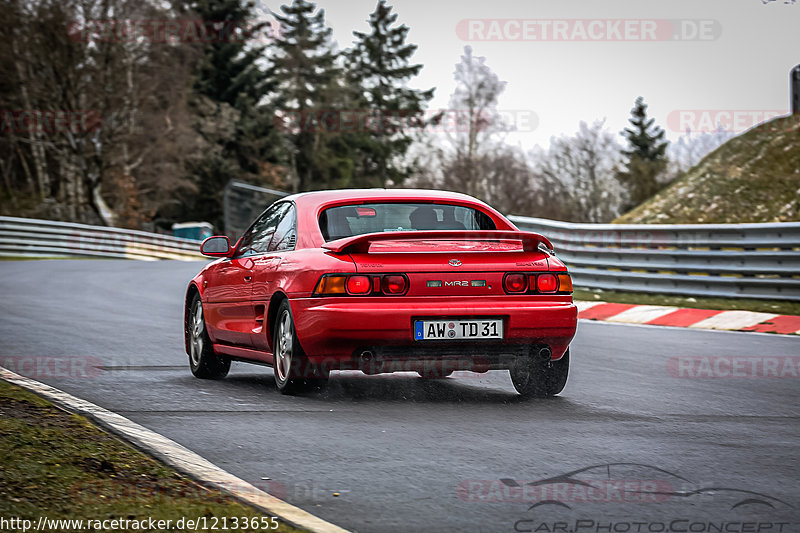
(540, 379)
(203, 361)
(293, 371)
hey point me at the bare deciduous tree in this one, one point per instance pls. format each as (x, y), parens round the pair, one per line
(690, 149)
(475, 123)
(116, 100)
(580, 169)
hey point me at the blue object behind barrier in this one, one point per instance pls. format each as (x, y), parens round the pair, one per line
(197, 231)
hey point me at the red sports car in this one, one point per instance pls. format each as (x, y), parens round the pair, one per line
(382, 281)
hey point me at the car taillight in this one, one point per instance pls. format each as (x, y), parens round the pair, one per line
(329, 285)
(515, 283)
(359, 285)
(564, 283)
(546, 283)
(537, 283)
(394, 284)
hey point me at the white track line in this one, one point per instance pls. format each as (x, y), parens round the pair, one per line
(733, 320)
(177, 456)
(641, 314)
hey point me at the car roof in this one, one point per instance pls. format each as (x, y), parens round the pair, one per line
(315, 199)
(311, 204)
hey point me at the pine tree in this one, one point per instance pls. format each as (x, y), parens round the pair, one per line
(379, 70)
(647, 158)
(229, 71)
(230, 76)
(309, 86)
(646, 139)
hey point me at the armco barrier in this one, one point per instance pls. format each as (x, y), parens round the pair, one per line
(723, 260)
(43, 238)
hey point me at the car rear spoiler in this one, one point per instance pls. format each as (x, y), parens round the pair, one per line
(531, 242)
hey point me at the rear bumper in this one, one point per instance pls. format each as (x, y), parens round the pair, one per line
(339, 329)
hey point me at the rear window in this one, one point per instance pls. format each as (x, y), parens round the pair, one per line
(351, 220)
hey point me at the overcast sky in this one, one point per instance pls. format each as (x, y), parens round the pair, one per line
(739, 61)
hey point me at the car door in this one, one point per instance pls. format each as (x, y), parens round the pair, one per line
(229, 309)
(266, 265)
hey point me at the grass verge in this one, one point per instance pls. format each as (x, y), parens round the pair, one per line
(724, 304)
(60, 466)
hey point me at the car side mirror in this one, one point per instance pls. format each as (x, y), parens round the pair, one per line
(218, 246)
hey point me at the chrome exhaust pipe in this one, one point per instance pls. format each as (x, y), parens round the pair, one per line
(540, 353)
(369, 363)
(545, 353)
(366, 357)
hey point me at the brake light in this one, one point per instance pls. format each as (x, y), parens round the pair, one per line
(394, 284)
(546, 283)
(359, 285)
(537, 283)
(564, 283)
(515, 283)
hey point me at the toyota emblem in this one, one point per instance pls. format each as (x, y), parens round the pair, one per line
(455, 263)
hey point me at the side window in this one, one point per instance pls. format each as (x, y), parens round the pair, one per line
(257, 238)
(285, 236)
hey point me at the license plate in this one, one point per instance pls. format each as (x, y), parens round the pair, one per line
(426, 330)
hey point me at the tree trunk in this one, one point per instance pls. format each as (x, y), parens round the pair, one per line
(39, 161)
(26, 169)
(6, 166)
(70, 187)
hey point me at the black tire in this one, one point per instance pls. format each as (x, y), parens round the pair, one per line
(293, 371)
(205, 364)
(540, 380)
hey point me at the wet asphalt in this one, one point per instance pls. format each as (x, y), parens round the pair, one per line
(648, 451)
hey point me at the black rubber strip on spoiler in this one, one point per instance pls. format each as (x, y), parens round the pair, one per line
(361, 243)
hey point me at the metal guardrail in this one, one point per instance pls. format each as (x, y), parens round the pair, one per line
(44, 238)
(242, 203)
(722, 260)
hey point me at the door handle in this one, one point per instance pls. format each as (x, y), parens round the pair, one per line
(248, 278)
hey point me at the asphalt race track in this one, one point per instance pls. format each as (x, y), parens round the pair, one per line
(459, 454)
